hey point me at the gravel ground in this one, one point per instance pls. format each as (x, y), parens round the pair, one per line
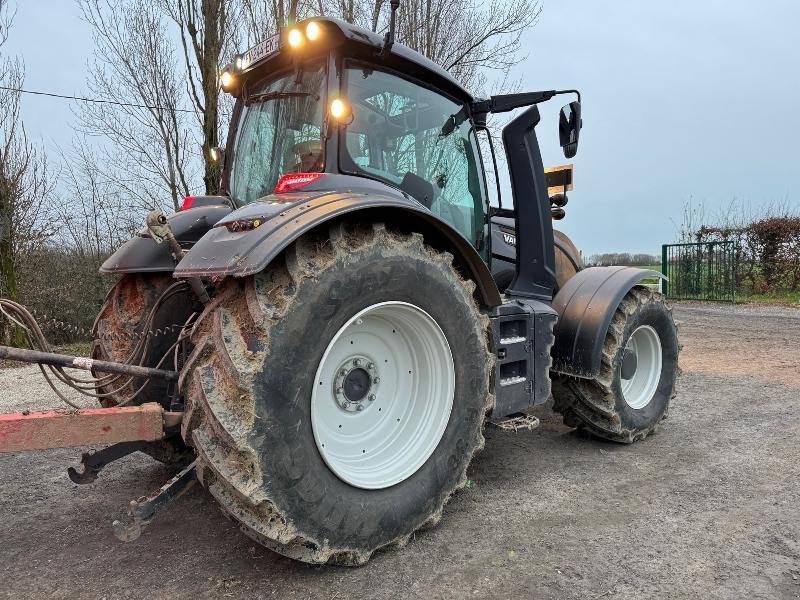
(707, 507)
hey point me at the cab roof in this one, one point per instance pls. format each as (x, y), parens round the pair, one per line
(410, 61)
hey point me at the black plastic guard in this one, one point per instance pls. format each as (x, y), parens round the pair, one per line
(285, 217)
(141, 254)
(522, 335)
(585, 306)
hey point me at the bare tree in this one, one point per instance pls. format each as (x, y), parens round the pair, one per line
(263, 18)
(94, 219)
(25, 182)
(466, 38)
(147, 137)
(206, 34)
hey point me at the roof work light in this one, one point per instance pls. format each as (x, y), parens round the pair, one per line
(227, 79)
(294, 37)
(313, 31)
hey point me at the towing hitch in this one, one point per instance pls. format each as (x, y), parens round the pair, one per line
(142, 511)
(93, 462)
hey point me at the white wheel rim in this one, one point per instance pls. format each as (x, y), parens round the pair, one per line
(376, 437)
(639, 390)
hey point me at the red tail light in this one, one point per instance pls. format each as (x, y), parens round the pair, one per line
(187, 203)
(292, 181)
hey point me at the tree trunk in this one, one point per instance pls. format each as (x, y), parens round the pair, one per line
(213, 27)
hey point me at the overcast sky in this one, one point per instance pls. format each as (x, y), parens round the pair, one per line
(682, 99)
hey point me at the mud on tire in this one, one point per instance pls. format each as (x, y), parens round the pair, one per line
(118, 327)
(598, 405)
(249, 379)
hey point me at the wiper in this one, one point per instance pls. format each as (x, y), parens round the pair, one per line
(277, 96)
(453, 121)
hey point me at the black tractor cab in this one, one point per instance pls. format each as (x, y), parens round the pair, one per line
(326, 105)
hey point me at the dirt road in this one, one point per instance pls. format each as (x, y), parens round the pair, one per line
(708, 507)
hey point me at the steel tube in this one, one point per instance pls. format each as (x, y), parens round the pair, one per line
(82, 362)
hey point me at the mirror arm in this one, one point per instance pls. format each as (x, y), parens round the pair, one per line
(508, 102)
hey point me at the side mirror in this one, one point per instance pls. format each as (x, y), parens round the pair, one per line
(569, 127)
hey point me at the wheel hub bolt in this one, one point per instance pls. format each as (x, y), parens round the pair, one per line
(355, 383)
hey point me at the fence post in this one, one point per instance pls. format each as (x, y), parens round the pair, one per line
(664, 283)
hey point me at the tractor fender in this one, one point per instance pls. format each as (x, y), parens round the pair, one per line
(585, 306)
(141, 253)
(234, 247)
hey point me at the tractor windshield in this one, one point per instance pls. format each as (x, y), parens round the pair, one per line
(416, 139)
(279, 132)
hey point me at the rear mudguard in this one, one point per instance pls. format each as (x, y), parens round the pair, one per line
(141, 254)
(232, 248)
(585, 306)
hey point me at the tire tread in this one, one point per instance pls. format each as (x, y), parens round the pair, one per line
(219, 371)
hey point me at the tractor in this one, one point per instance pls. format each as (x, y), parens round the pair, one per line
(350, 311)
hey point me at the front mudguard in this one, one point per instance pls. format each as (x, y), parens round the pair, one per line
(141, 254)
(586, 306)
(238, 247)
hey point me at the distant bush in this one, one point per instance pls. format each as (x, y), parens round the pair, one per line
(64, 290)
(767, 253)
(612, 259)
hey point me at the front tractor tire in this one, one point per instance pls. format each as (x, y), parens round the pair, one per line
(631, 394)
(336, 399)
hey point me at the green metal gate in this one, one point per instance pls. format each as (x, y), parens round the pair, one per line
(702, 271)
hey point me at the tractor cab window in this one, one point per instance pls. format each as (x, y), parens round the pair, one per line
(417, 140)
(279, 132)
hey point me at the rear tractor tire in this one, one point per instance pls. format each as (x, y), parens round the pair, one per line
(631, 394)
(336, 399)
(568, 259)
(120, 325)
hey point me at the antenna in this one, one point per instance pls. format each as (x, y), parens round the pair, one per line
(388, 39)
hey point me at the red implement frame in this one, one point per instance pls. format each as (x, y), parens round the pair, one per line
(58, 429)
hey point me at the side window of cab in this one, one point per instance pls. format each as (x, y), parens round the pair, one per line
(417, 140)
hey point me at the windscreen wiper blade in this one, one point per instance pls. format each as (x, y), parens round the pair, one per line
(277, 96)
(453, 121)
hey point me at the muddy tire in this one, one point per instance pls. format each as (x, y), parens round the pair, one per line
(118, 327)
(631, 395)
(261, 400)
(568, 259)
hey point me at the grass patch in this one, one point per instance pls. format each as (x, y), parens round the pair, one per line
(650, 280)
(777, 299)
(74, 349)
